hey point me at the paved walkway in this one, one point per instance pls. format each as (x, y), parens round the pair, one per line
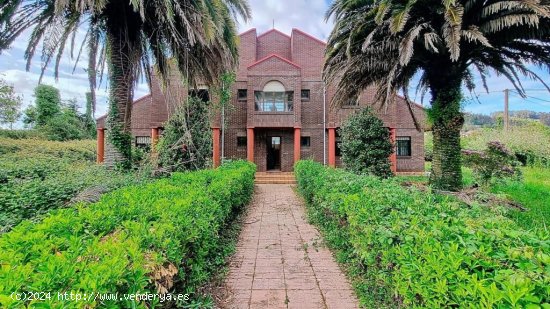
(280, 262)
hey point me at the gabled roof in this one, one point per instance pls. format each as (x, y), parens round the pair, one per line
(273, 30)
(308, 35)
(143, 98)
(274, 56)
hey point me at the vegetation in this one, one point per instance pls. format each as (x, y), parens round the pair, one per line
(157, 238)
(408, 248)
(440, 44)
(186, 142)
(525, 141)
(10, 105)
(366, 145)
(37, 176)
(200, 36)
(496, 163)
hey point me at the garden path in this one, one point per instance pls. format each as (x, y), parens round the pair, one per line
(280, 261)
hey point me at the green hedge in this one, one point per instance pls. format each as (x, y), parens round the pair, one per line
(131, 241)
(406, 248)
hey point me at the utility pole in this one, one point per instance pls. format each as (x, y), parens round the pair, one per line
(506, 112)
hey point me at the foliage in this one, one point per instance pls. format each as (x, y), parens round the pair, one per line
(37, 176)
(439, 45)
(526, 142)
(48, 103)
(186, 142)
(366, 145)
(496, 162)
(21, 134)
(197, 38)
(10, 105)
(157, 238)
(409, 248)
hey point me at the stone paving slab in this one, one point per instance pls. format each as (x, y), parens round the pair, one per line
(279, 263)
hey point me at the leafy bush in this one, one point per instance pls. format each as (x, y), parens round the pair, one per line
(38, 176)
(366, 145)
(496, 162)
(408, 248)
(186, 143)
(157, 237)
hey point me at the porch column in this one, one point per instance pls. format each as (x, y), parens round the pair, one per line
(393, 156)
(332, 147)
(216, 147)
(250, 144)
(100, 145)
(297, 144)
(154, 138)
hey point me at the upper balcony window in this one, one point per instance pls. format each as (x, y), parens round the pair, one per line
(274, 98)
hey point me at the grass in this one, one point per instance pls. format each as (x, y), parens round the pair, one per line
(534, 194)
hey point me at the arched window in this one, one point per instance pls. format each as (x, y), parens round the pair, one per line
(274, 98)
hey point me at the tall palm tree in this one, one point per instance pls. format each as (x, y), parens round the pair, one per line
(130, 35)
(391, 43)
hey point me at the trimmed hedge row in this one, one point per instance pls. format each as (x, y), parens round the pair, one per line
(407, 248)
(157, 237)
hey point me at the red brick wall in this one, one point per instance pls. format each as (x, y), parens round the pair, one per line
(273, 42)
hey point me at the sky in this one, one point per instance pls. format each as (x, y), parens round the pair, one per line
(307, 15)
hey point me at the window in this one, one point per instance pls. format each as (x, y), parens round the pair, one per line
(202, 94)
(338, 149)
(242, 95)
(305, 141)
(352, 103)
(143, 141)
(241, 141)
(274, 98)
(403, 144)
(305, 95)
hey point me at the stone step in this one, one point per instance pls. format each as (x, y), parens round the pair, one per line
(275, 178)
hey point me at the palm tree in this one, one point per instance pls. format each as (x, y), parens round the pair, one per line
(128, 36)
(440, 44)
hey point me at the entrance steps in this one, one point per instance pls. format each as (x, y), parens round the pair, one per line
(275, 178)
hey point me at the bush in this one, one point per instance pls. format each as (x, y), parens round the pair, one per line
(495, 163)
(366, 145)
(408, 248)
(21, 134)
(158, 237)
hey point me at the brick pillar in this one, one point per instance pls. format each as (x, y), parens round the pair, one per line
(297, 144)
(154, 138)
(332, 147)
(100, 145)
(250, 144)
(216, 147)
(393, 156)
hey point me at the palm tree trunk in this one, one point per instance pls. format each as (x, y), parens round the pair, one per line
(121, 90)
(447, 121)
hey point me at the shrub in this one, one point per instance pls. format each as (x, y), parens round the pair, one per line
(366, 145)
(158, 237)
(186, 142)
(496, 162)
(21, 134)
(408, 248)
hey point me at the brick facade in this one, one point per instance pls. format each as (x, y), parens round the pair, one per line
(296, 62)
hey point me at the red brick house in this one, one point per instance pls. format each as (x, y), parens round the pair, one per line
(281, 109)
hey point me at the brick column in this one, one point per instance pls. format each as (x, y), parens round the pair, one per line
(216, 147)
(332, 147)
(154, 138)
(100, 145)
(297, 144)
(250, 144)
(393, 156)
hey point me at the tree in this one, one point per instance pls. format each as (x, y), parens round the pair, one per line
(366, 145)
(200, 36)
(441, 44)
(47, 102)
(10, 105)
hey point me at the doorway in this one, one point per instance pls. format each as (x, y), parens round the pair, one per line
(273, 153)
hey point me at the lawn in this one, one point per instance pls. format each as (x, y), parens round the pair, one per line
(533, 193)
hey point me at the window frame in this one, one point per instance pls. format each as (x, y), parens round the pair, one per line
(274, 99)
(241, 91)
(399, 148)
(241, 138)
(305, 98)
(308, 141)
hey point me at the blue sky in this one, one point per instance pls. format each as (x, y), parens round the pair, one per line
(307, 15)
